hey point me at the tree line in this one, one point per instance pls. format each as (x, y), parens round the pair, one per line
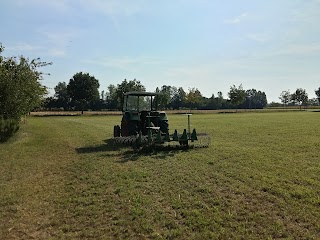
(299, 97)
(82, 93)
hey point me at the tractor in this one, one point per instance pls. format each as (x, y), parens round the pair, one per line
(143, 124)
(140, 113)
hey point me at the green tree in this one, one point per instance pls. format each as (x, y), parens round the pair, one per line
(285, 97)
(179, 98)
(61, 95)
(300, 96)
(260, 100)
(251, 98)
(212, 102)
(83, 89)
(111, 97)
(237, 95)
(194, 97)
(103, 94)
(20, 87)
(220, 100)
(20, 91)
(255, 99)
(313, 102)
(317, 92)
(165, 98)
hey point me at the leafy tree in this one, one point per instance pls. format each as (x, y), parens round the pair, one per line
(111, 98)
(20, 87)
(312, 102)
(102, 95)
(20, 91)
(250, 101)
(166, 96)
(193, 97)
(178, 99)
(260, 100)
(300, 96)
(61, 95)
(211, 102)
(285, 97)
(255, 99)
(317, 92)
(83, 89)
(237, 95)
(220, 100)
(274, 104)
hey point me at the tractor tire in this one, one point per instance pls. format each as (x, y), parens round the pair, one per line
(133, 128)
(164, 126)
(116, 131)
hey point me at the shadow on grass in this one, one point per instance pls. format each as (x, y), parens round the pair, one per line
(129, 154)
(107, 147)
(155, 152)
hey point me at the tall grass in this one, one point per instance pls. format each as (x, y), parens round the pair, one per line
(8, 127)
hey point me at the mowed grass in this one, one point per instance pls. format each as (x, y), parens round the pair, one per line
(259, 179)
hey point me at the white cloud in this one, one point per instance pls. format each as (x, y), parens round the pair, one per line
(24, 47)
(260, 38)
(58, 38)
(57, 5)
(298, 50)
(189, 72)
(51, 43)
(237, 19)
(57, 41)
(56, 52)
(115, 10)
(114, 7)
(124, 63)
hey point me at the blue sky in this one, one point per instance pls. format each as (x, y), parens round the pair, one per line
(208, 44)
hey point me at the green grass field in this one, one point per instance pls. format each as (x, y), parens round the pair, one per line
(259, 179)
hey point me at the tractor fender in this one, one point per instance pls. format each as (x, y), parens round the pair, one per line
(163, 116)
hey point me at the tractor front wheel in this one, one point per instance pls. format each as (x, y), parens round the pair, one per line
(133, 128)
(116, 131)
(164, 126)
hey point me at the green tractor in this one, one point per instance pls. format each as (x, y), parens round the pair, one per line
(140, 113)
(143, 124)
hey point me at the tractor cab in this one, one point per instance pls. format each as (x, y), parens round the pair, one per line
(140, 113)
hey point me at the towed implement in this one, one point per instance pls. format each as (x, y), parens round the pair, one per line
(144, 125)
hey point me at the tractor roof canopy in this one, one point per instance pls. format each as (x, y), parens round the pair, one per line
(140, 101)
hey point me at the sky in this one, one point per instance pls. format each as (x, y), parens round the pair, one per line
(211, 45)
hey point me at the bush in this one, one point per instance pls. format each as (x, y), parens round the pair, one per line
(8, 127)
